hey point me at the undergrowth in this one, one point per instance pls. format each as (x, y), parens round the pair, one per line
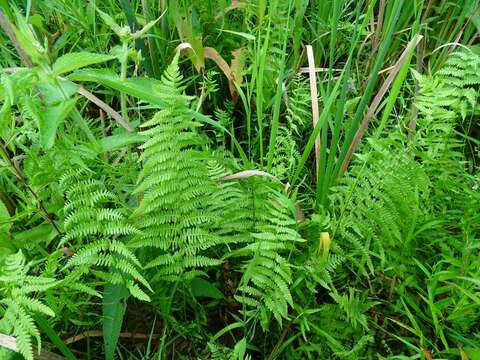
(190, 180)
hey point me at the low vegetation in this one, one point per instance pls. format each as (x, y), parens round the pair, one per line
(239, 179)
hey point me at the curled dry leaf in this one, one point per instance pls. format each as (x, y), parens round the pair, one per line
(248, 173)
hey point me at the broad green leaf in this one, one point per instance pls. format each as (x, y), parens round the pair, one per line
(472, 353)
(203, 288)
(117, 29)
(53, 93)
(118, 141)
(6, 244)
(476, 20)
(144, 89)
(28, 41)
(43, 232)
(77, 60)
(38, 21)
(51, 118)
(4, 217)
(113, 311)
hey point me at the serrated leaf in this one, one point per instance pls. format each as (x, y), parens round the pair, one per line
(51, 118)
(118, 141)
(203, 288)
(77, 60)
(141, 88)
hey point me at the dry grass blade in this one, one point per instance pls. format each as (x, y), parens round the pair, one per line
(105, 107)
(236, 66)
(378, 30)
(98, 333)
(212, 54)
(314, 98)
(10, 343)
(412, 124)
(376, 102)
(235, 5)
(5, 24)
(304, 70)
(184, 46)
(248, 173)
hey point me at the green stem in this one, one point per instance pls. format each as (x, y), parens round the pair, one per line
(123, 78)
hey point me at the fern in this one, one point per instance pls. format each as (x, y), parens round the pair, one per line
(258, 222)
(380, 205)
(93, 226)
(18, 304)
(174, 214)
(298, 108)
(454, 88)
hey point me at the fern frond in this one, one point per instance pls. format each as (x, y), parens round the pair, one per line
(93, 227)
(175, 215)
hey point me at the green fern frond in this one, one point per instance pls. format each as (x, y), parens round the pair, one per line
(17, 319)
(93, 227)
(261, 233)
(174, 215)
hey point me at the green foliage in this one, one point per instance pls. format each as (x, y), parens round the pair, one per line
(380, 207)
(183, 235)
(174, 212)
(92, 226)
(257, 219)
(453, 89)
(18, 303)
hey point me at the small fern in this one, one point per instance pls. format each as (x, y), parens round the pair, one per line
(453, 89)
(380, 205)
(18, 304)
(299, 112)
(257, 220)
(93, 227)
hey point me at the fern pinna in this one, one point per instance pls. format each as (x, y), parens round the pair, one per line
(175, 190)
(96, 230)
(17, 302)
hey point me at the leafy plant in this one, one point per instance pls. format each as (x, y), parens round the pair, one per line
(202, 207)
(18, 302)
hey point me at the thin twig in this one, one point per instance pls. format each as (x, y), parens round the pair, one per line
(99, 333)
(105, 107)
(7, 27)
(279, 341)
